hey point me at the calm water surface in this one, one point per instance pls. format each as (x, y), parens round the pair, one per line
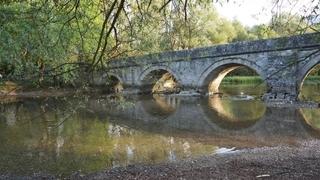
(61, 136)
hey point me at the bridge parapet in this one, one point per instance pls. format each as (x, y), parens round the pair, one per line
(311, 40)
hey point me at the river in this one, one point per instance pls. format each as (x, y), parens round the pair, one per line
(65, 135)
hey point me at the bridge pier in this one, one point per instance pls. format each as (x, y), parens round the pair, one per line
(281, 90)
(189, 90)
(279, 97)
(129, 89)
(189, 93)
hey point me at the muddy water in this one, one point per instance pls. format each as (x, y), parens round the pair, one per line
(61, 136)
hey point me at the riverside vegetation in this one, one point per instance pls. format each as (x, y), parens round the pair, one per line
(51, 43)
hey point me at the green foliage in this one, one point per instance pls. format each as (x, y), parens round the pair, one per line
(312, 80)
(38, 36)
(286, 24)
(262, 32)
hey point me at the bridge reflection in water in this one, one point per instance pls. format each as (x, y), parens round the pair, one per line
(234, 113)
(159, 105)
(64, 135)
(210, 115)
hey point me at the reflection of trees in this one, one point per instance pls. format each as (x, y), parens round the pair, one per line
(9, 114)
(152, 148)
(40, 142)
(44, 131)
(310, 92)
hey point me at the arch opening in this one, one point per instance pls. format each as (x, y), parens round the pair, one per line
(114, 84)
(234, 79)
(159, 81)
(309, 88)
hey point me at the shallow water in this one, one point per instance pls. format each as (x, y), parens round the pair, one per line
(61, 136)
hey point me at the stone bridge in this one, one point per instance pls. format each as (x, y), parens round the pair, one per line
(283, 63)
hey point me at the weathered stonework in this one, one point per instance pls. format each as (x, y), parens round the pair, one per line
(283, 63)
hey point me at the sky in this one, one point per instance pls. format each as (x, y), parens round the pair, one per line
(253, 12)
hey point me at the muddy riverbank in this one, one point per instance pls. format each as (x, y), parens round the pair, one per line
(47, 93)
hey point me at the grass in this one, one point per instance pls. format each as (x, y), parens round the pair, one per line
(257, 79)
(242, 80)
(312, 80)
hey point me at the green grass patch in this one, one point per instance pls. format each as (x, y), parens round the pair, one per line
(312, 80)
(242, 80)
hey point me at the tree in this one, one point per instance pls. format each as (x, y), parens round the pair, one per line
(47, 41)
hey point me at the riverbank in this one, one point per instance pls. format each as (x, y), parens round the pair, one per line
(11, 91)
(283, 162)
(41, 93)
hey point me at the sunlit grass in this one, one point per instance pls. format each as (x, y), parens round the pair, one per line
(242, 80)
(312, 80)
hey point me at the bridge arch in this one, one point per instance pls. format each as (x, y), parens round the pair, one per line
(109, 74)
(101, 77)
(150, 75)
(109, 80)
(306, 69)
(213, 75)
(112, 81)
(115, 83)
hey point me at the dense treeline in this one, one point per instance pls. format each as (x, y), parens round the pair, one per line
(48, 41)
